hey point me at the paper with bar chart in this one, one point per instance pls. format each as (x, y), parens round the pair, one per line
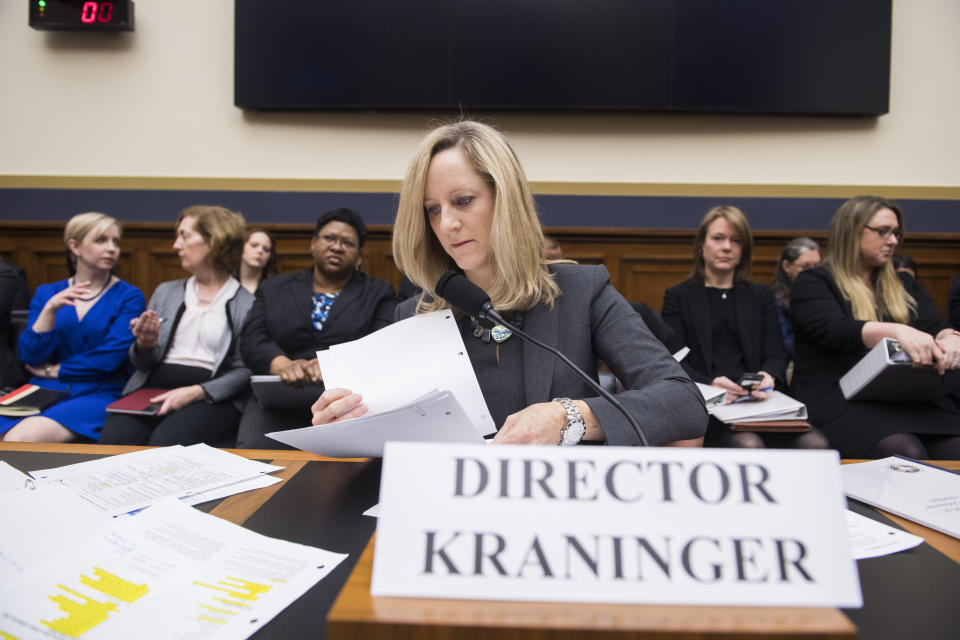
(168, 572)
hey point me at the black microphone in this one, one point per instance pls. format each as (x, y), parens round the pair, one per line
(474, 301)
(462, 294)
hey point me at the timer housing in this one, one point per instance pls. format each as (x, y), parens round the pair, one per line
(81, 15)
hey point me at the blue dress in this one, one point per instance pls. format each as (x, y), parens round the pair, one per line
(92, 354)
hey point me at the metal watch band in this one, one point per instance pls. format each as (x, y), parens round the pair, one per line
(572, 433)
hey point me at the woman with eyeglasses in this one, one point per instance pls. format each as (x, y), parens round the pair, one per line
(297, 314)
(843, 309)
(185, 343)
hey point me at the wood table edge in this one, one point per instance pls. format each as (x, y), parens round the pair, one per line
(358, 614)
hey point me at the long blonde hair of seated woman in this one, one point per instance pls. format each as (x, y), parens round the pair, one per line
(886, 296)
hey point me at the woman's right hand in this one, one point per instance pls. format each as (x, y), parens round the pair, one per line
(146, 329)
(299, 373)
(920, 346)
(734, 390)
(68, 297)
(334, 405)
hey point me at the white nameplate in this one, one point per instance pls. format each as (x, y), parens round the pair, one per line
(614, 525)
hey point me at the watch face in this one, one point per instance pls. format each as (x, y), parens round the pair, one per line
(574, 433)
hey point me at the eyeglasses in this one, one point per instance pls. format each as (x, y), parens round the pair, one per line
(884, 232)
(330, 240)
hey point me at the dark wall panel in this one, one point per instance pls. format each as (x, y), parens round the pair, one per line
(639, 212)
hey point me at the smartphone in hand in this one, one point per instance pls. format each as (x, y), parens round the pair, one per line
(750, 380)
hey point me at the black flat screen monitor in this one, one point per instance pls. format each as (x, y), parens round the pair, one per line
(749, 56)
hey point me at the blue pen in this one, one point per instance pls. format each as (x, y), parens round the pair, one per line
(749, 396)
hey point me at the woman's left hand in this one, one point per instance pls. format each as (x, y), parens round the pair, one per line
(767, 383)
(949, 358)
(537, 424)
(178, 398)
(45, 371)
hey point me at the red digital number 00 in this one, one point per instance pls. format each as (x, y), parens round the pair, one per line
(92, 13)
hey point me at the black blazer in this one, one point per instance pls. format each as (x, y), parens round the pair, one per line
(280, 322)
(829, 340)
(686, 310)
(13, 296)
(590, 321)
(953, 304)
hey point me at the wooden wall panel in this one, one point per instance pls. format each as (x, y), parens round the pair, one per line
(642, 262)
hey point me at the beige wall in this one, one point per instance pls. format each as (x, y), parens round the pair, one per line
(159, 102)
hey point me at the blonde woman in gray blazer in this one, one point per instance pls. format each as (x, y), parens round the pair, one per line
(466, 205)
(186, 343)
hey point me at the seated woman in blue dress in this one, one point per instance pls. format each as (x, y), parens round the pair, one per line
(846, 307)
(77, 336)
(186, 342)
(466, 205)
(730, 325)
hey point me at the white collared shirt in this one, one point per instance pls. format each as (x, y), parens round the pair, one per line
(203, 331)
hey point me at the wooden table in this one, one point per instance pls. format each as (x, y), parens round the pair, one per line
(358, 615)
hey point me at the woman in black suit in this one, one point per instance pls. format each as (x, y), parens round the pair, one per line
(295, 315)
(843, 309)
(730, 325)
(13, 296)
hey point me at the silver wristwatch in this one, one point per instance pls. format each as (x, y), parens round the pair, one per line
(573, 432)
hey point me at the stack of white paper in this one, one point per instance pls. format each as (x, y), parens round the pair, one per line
(125, 483)
(168, 572)
(417, 382)
(778, 406)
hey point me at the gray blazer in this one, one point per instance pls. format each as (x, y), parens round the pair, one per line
(590, 321)
(229, 377)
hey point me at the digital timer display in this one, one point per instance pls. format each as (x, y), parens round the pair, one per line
(82, 15)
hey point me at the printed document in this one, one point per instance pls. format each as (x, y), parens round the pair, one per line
(434, 417)
(132, 481)
(394, 366)
(418, 385)
(871, 539)
(923, 493)
(168, 572)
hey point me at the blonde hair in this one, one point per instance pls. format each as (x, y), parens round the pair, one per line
(224, 231)
(738, 221)
(82, 224)
(521, 279)
(886, 295)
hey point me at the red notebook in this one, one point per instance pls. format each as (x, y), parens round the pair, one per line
(138, 403)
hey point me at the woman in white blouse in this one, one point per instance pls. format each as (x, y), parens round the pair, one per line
(186, 341)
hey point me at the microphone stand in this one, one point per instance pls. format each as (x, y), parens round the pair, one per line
(491, 315)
